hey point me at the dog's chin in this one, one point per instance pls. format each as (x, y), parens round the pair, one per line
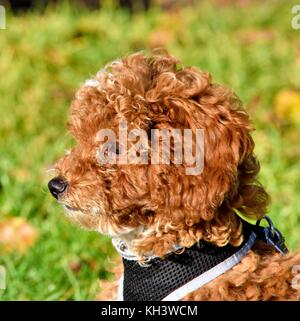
(99, 222)
(80, 218)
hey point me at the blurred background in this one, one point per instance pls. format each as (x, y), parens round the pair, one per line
(47, 51)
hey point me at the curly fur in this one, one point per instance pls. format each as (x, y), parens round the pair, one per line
(153, 207)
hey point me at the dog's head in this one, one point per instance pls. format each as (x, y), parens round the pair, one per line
(156, 204)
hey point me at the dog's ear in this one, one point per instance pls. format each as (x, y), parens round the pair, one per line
(229, 165)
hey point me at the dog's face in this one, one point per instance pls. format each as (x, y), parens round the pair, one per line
(158, 200)
(112, 199)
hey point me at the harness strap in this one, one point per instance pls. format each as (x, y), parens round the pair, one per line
(204, 278)
(211, 274)
(177, 275)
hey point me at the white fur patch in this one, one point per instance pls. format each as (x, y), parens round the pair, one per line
(91, 83)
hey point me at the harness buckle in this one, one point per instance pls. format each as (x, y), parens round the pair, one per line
(272, 236)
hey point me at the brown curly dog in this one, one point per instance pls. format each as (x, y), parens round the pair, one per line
(155, 208)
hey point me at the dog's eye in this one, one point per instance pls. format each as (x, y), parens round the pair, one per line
(117, 150)
(150, 126)
(112, 148)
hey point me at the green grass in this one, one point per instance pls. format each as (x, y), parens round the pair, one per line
(44, 59)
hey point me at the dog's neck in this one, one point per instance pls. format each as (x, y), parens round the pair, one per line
(125, 245)
(144, 243)
(126, 250)
(131, 246)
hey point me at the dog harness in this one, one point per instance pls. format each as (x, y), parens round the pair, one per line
(176, 275)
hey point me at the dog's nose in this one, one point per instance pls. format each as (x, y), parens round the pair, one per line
(57, 186)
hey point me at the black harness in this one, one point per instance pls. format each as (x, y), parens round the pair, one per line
(160, 277)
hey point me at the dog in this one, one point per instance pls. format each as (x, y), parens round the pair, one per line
(181, 236)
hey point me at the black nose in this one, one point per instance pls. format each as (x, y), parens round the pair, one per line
(57, 185)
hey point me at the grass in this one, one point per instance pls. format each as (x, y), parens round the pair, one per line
(43, 60)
